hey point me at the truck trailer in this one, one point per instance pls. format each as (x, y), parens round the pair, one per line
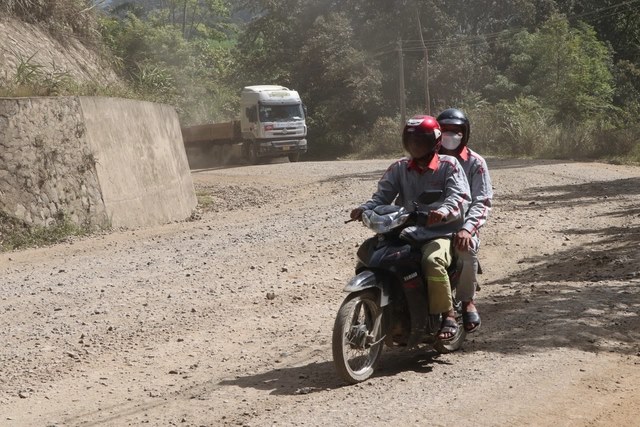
(272, 124)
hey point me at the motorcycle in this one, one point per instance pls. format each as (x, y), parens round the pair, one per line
(388, 300)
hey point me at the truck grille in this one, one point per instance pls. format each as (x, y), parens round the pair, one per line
(288, 131)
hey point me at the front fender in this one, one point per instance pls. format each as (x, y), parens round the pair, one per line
(365, 280)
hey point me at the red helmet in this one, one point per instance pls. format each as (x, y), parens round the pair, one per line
(425, 128)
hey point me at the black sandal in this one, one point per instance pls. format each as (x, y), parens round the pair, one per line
(449, 325)
(472, 319)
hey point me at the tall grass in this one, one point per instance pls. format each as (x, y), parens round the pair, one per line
(526, 128)
(33, 79)
(61, 17)
(15, 234)
(382, 141)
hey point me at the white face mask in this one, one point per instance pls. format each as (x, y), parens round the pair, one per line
(451, 140)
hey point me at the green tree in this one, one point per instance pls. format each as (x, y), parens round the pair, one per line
(314, 51)
(566, 67)
(344, 87)
(164, 66)
(499, 60)
(616, 22)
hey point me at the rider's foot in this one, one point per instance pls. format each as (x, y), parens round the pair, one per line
(449, 326)
(470, 316)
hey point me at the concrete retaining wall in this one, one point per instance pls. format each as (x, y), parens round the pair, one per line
(100, 161)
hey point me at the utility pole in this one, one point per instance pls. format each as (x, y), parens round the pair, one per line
(403, 106)
(427, 98)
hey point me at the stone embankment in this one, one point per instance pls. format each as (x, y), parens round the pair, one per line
(95, 161)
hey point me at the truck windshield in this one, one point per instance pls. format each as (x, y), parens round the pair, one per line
(281, 113)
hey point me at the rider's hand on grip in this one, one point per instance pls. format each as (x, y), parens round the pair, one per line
(356, 214)
(436, 217)
(421, 218)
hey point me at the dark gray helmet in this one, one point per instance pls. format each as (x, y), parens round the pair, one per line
(455, 117)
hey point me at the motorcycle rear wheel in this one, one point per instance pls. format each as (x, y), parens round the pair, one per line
(357, 336)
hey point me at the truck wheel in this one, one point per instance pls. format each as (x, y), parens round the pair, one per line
(252, 154)
(294, 157)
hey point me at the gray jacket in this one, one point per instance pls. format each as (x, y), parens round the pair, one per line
(403, 183)
(475, 168)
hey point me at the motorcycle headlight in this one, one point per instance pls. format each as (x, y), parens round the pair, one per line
(383, 223)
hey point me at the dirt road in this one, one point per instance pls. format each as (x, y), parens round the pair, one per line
(227, 319)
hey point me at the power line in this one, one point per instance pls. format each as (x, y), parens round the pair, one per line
(472, 36)
(414, 45)
(615, 6)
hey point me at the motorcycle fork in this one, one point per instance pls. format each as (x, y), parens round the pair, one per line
(362, 334)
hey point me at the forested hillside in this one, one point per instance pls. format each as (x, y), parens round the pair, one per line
(549, 78)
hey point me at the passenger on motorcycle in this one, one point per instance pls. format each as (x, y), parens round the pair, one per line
(455, 136)
(402, 184)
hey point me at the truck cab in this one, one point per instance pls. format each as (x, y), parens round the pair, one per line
(272, 122)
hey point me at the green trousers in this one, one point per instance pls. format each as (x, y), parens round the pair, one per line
(436, 257)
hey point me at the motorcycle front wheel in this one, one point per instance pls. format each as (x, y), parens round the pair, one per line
(357, 336)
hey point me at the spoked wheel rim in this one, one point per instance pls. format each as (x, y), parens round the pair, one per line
(357, 338)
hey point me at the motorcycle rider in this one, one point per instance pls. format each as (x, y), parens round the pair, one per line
(402, 184)
(455, 137)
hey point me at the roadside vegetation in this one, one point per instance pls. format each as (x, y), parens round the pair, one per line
(15, 234)
(553, 79)
(542, 79)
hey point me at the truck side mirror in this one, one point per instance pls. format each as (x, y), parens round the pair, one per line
(304, 108)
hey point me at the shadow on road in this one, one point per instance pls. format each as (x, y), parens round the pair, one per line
(586, 296)
(593, 317)
(306, 379)
(612, 251)
(496, 163)
(365, 176)
(590, 193)
(317, 377)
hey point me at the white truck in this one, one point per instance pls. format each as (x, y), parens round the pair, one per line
(272, 124)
